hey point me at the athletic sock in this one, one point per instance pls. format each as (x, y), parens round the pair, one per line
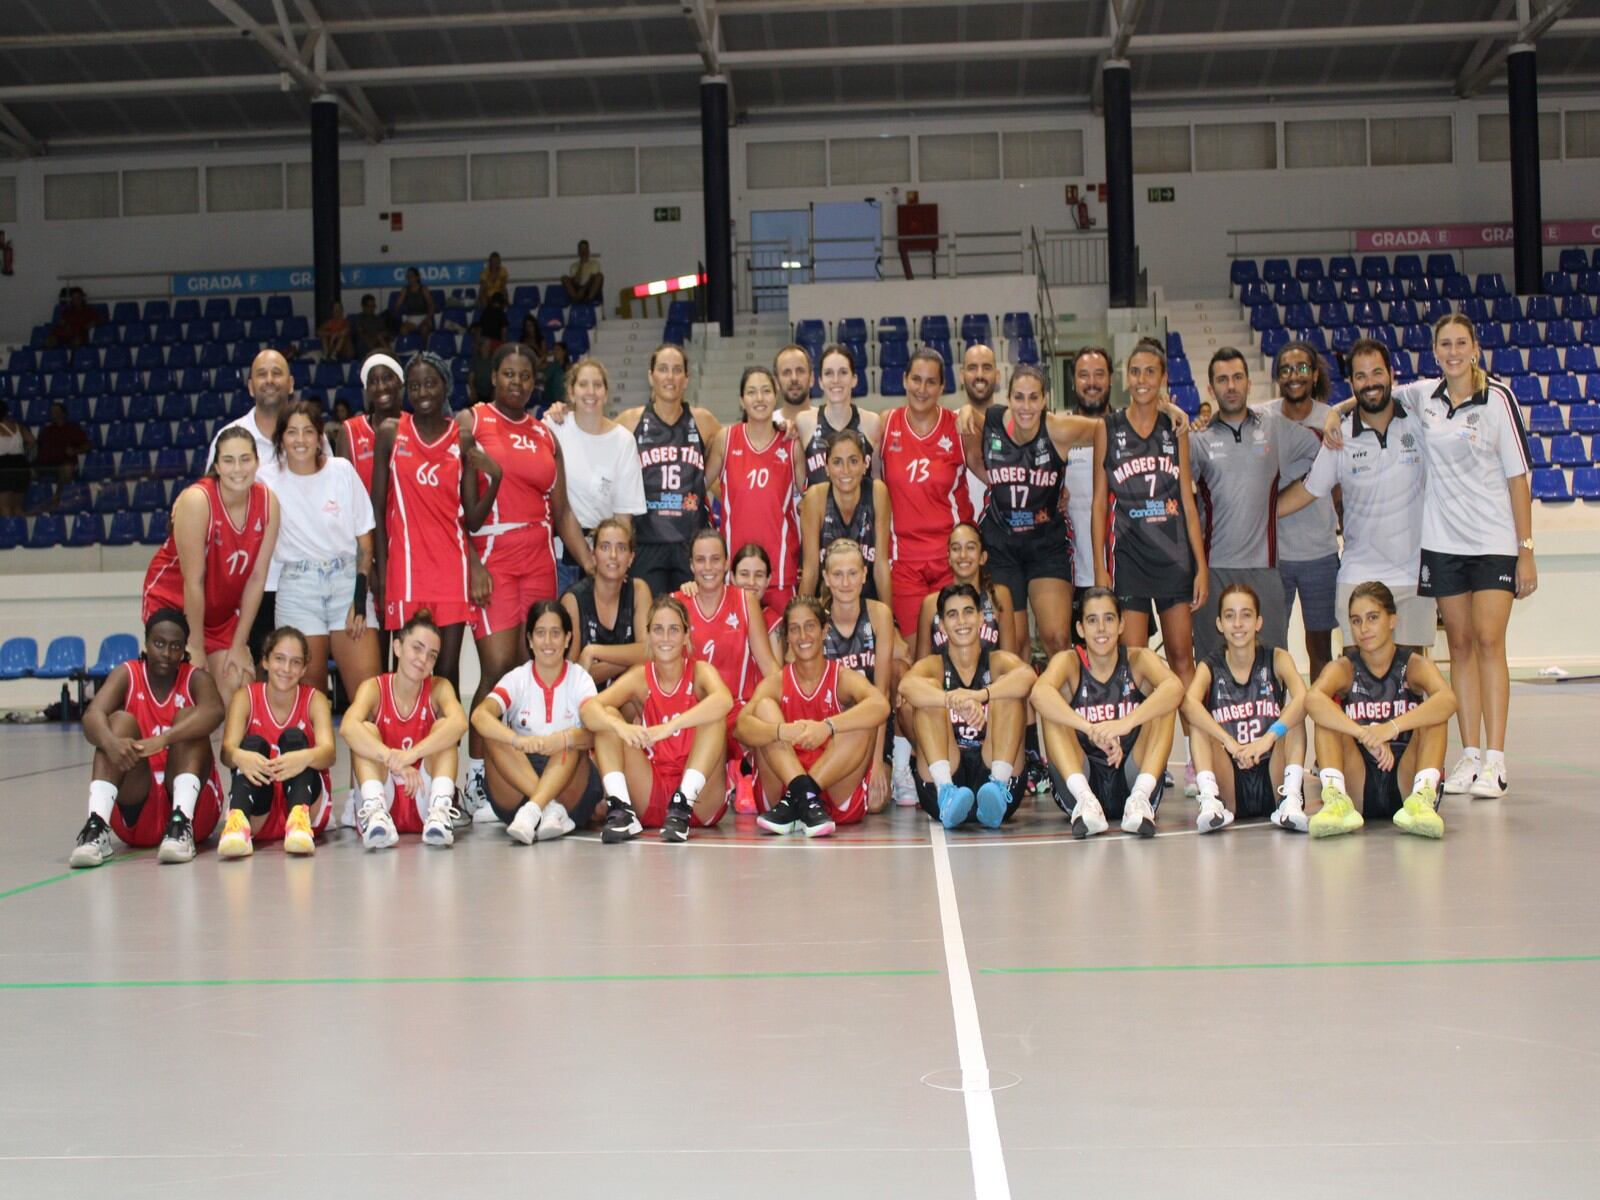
(1294, 781)
(102, 799)
(1493, 759)
(1472, 752)
(1078, 787)
(940, 771)
(474, 767)
(1001, 771)
(1427, 776)
(691, 784)
(1206, 781)
(442, 789)
(1144, 787)
(902, 753)
(186, 794)
(1332, 776)
(373, 789)
(616, 784)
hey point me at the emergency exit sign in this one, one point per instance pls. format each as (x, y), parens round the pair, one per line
(676, 214)
(1162, 195)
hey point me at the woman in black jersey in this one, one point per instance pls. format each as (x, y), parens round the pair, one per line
(1246, 707)
(1382, 717)
(1108, 716)
(969, 563)
(860, 634)
(836, 372)
(848, 503)
(1020, 452)
(607, 608)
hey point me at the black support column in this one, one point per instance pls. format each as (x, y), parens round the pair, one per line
(1522, 76)
(1117, 88)
(325, 203)
(718, 206)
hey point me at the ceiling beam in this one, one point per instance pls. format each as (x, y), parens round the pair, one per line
(1528, 32)
(18, 136)
(320, 41)
(1122, 18)
(1480, 51)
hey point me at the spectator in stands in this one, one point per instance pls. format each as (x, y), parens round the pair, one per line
(61, 442)
(72, 326)
(494, 280)
(555, 376)
(335, 427)
(412, 308)
(482, 367)
(15, 442)
(492, 323)
(1205, 412)
(584, 282)
(532, 336)
(792, 366)
(367, 327)
(334, 333)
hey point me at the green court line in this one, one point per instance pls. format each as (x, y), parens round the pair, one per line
(1150, 968)
(374, 980)
(128, 856)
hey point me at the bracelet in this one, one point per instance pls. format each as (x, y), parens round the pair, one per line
(832, 732)
(1277, 729)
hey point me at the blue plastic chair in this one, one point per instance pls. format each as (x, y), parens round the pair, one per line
(115, 649)
(63, 660)
(1550, 485)
(19, 658)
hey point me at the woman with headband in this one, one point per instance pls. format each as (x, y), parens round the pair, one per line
(383, 387)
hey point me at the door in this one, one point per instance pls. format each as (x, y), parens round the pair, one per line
(780, 254)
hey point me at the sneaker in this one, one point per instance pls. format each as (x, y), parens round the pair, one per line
(298, 837)
(1088, 819)
(236, 841)
(955, 804)
(1213, 815)
(475, 794)
(1419, 816)
(1191, 779)
(1463, 775)
(622, 823)
(1035, 776)
(994, 798)
(555, 822)
(743, 790)
(903, 787)
(1490, 783)
(1337, 816)
(376, 826)
(93, 847)
(1138, 817)
(679, 812)
(1290, 813)
(439, 827)
(177, 846)
(814, 818)
(524, 826)
(347, 814)
(782, 817)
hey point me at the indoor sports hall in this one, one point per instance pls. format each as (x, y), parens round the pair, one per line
(313, 222)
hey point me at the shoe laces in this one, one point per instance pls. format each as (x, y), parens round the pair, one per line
(368, 809)
(443, 810)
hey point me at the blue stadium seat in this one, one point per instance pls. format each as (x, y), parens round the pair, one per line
(1188, 399)
(1342, 266)
(1340, 341)
(19, 658)
(1026, 350)
(1274, 340)
(1243, 271)
(551, 315)
(48, 530)
(934, 327)
(1178, 372)
(1457, 287)
(1264, 317)
(1276, 270)
(97, 465)
(189, 435)
(1422, 289)
(1546, 420)
(1544, 360)
(1573, 260)
(576, 341)
(1365, 312)
(125, 311)
(1298, 316)
(1322, 291)
(442, 343)
(1355, 289)
(1576, 308)
(1568, 450)
(1307, 269)
(218, 308)
(976, 327)
(1384, 334)
(73, 497)
(59, 387)
(156, 310)
(1526, 389)
(208, 406)
(1540, 308)
(158, 381)
(86, 358)
(239, 405)
(156, 532)
(166, 333)
(156, 435)
(582, 316)
(88, 529)
(675, 335)
(1333, 316)
(176, 406)
(1252, 294)
(1407, 266)
(1405, 369)
(1525, 335)
(1388, 290)
(894, 354)
(148, 496)
(1556, 283)
(1560, 333)
(1490, 285)
(1550, 485)
(262, 329)
(1585, 418)
(1374, 266)
(247, 308)
(171, 461)
(197, 333)
(525, 295)
(133, 464)
(300, 373)
(1288, 292)
(64, 659)
(1563, 389)
(1506, 309)
(1589, 283)
(115, 649)
(1491, 335)
(891, 381)
(119, 437)
(279, 307)
(111, 498)
(1174, 343)
(1536, 452)
(1586, 484)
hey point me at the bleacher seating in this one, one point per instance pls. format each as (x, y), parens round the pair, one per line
(19, 658)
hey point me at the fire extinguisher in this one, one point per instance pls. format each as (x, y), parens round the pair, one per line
(8, 256)
(1081, 216)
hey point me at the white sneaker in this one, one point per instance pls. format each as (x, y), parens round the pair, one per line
(555, 822)
(486, 816)
(376, 826)
(524, 826)
(438, 829)
(1213, 814)
(475, 800)
(1138, 817)
(1463, 775)
(1088, 818)
(1490, 783)
(903, 787)
(347, 815)
(1290, 813)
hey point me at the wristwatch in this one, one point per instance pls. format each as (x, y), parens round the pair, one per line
(1526, 543)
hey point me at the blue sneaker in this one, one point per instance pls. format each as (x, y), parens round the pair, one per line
(955, 804)
(993, 797)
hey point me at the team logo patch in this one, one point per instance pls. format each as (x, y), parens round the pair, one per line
(1408, 441)
(944, 444)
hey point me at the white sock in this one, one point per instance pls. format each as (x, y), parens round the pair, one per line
(186, 794)
(1332, 776)
(691, 784)
(940, 772)
(1429, 777)
(1294, 782)
(1494, 758)
(901, 754)
(1144, 787)
(1206, 781)
(373, 789)
(1472, 752)
(102, 799)
(616, 784)
(443, 791)
(1001, 771)
(474, 767)
(1078, 787)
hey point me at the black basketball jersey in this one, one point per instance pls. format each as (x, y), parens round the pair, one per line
(1024, 479)
(1373, 699)
(967, 737)
(817, 447)
(1148, 539)
(861, 527)
(857, 650)
(1098, 702)
(594, 633)
(989, 635)
(1245, 709)
(672, 459)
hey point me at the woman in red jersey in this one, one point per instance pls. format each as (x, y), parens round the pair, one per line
(751, 572)
(213, 565)
(279, 741)
(680, 744)
(383, 390)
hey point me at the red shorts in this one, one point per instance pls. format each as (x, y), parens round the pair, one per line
(157, 809)
(444, 612)
(219, 636)
(854, 807)
(665, 775)
(912, 582)
(523, 567)
(272, 829)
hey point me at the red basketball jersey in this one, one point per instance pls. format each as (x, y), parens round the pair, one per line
(526, 453)
(758, 501)
(231, 553)
(722, 638)
(154, 714)
(817, 705)
(270, 730)
(661, 705)
(363, 444)
(427, 532)
(398, 730)
(927, 481)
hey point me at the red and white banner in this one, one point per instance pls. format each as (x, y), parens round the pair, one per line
(1471, 237)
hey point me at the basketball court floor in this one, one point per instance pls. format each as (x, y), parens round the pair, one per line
(887, 1013)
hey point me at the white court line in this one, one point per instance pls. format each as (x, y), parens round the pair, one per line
(983, 1129)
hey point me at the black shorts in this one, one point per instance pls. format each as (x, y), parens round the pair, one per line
(664, 566)
(1380, 794)
(1446, 574)
(970, 772)
(1016, 558)
(1144, 604)
(1111, 785)
(1254, 793)
(582, 813)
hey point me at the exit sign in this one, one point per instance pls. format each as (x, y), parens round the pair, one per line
(676, 214)
(1164, 195)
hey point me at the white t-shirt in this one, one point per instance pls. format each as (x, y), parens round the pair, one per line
(1079, 479)
(320, 516)
(532, 708)
(602, 472)
(1381, 476)
(267, 473)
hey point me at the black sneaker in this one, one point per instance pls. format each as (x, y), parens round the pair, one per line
(1035, 776)
(782, 817)
(178, 844)
(815, 817)
(676, 827)
(93, 846)
(622, 823)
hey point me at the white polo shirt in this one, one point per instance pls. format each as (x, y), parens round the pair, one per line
(1470, 452)
(532, 708)
(1381, 475)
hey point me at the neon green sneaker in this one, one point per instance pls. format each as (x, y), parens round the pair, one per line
(1418, 815)
(1338, 814)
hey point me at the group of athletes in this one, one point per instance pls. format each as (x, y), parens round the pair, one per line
(820, 610)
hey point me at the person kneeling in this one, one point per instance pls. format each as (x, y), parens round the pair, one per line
(1121, 703)
(1246, 707)
(403, 729)
(968, 705)
(1382, 717)
(537, 766)
(814, 729)
(280, 763)
(682, 743)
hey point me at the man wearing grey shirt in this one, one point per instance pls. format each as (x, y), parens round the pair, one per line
(1240, 461)
(1308, 541)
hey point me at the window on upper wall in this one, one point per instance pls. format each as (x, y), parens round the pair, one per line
(1248, 146)
(607, 171)
(1494, 136)
(786, 164)
(1340, 143)
(953, 157)
(161, 192)
(430, 179)
(523, 175)
(82, 197)
(352, 183)
(1412, 141)
(869, 160)
(1043, 153)
(1583, 133)
(8, 198)
(244, 187)
(669, 169)
(1161, 150)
